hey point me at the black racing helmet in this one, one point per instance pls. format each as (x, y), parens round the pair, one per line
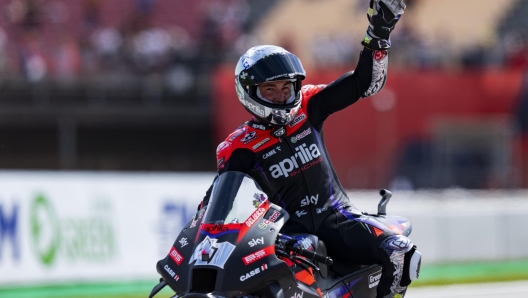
(267, 63)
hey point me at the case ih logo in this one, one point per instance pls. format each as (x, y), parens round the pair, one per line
(175, 256)
(253, 217)
(254, 272)
(302, 160)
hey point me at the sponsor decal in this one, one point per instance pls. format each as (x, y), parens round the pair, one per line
(255, 216)
(218, 252)
(254, 108)
(297, 295)
(254, 272)
(374, 279)
(220, 162)
(183, 242)
(279, 132)
(236, 133)
(258, 126)
(262, 225)
(51, 233)
(215, 229)
(278, 148)
(268, 154)
(258, 199)
(175, 256)
(222, 146)
(171, 273)
(306, 157)
(258, 255)
(274, 216)
(298, 119)
(250, 136)
(310, 201)
(261, 143)
(197, 218)
(321, 210)
(378, 55)
(300, 213)
(303, 134)
(257, 241)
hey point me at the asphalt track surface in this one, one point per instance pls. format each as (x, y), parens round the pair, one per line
(517, 289)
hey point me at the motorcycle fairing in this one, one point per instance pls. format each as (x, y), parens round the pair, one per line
(246, 243)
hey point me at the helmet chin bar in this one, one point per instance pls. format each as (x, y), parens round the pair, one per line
(280, 117)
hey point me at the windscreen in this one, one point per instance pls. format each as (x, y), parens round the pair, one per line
(235, 196)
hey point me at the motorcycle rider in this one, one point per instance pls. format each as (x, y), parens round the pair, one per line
(282, 148)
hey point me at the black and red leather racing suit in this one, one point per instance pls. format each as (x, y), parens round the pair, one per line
(291, 165)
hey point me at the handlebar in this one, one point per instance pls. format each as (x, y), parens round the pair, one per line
(312, 255)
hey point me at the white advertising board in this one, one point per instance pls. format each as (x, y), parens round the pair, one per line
(56, 227)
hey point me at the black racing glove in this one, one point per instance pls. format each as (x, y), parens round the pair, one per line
(383, 16)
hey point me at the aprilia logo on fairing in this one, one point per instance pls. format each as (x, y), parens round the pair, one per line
(312, 200)
(374, 279)
(257, 241)
(253, 217)
(305, 156)
(175, 256)
(254, 272)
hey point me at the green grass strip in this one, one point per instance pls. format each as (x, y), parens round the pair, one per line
(430, 275)
(131, 289)
(474, 272)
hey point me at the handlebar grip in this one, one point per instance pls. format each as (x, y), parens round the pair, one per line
(312, 255)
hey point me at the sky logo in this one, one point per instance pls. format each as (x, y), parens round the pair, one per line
(9, 230)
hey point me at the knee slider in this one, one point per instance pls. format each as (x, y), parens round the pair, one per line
(412, 263)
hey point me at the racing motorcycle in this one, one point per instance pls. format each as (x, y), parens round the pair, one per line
(233, 248)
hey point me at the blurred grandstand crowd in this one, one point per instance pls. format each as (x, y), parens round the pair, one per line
(69, 39)
(117, 84)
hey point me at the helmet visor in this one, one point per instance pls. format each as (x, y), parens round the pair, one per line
(274, 67)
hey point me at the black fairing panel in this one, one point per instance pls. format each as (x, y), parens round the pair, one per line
(228, 278)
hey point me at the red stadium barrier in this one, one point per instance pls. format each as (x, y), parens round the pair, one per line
(364, 140)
